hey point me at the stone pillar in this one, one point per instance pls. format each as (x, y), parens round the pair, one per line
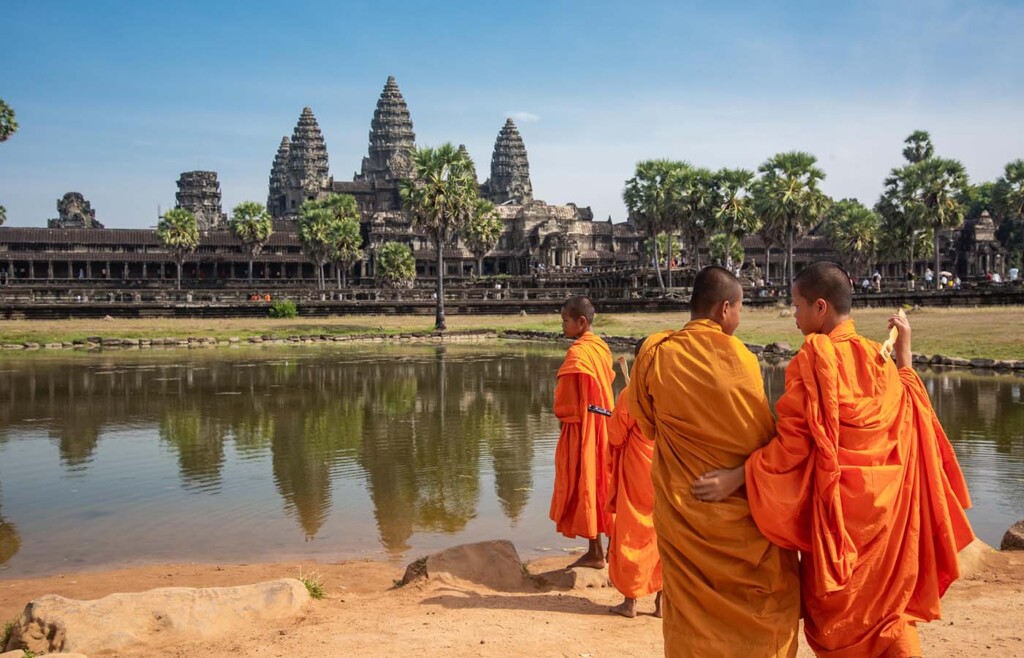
(143, 269)
(31, 269)
(71, 267)
(163, 268)
(107, 270)
(49, 268)
(88, 269)
(125, 271)
(266, 270)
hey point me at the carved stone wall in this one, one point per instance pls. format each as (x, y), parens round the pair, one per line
(277, 199)
(510, 169)
(392, 139)
(307, 163)
(199, 192)
(73, 211)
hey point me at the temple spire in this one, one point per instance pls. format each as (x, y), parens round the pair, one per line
(510, 168)
(307, 162)
(277, 198)
(472, 166)
(392, 139)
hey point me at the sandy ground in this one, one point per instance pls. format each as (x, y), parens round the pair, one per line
(363, 616)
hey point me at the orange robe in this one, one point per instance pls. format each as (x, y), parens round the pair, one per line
(581, 478)
(863, 481)
(729, 592)
(633, 563)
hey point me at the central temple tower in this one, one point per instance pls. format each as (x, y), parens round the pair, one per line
(392, 139)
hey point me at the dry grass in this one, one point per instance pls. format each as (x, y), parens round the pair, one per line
(992, 332)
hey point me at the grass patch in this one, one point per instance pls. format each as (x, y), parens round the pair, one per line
(989, 332)
(314, 582)
(8, 629)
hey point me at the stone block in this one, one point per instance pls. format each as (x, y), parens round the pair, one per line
(1013, 540)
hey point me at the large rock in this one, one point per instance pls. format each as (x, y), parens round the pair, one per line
(493, 564)
(1013, 540)
(52, 624)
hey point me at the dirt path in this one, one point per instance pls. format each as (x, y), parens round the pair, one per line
(983, 615)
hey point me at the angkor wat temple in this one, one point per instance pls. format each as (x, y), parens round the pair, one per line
(537, 237)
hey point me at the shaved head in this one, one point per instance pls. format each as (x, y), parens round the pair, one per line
(579, 307)
(712, 286)
(828, 281)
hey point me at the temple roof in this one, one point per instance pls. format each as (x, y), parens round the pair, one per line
(307, 155)
(510, 168)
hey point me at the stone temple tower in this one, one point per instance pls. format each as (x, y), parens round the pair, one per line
(307, 163)
(510, 169)
(199, 192)
(277, 199)
(465, 152)
(392, 139)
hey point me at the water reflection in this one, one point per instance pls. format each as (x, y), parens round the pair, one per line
(394, 444)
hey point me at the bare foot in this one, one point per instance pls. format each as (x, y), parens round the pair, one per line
(657, 606)
(589, 561)
(627, 608)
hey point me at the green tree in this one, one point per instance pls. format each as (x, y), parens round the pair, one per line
(179, 234)
(483, 232)
(853, 230)
(395, 266)
(648, 198)
(787, 196)
(8, 126)
(345, 238)
(1009, 199)
(3, 215)
(665, 245)
(935, 186)
(694, 200)
(919, 147)
(735, 216)
(250, 223)
(316, 224)
(719, 243)
(976, 199)
(440, 198)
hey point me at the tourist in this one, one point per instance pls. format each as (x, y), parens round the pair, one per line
(956, 283)
(943, 280)
(1014, 273)
(876, 278)
(584, 389)
(911, 279)
(865, 285)
(996, 278)
(633, 563)
(929, 276)
(699, 395)
(860, 479)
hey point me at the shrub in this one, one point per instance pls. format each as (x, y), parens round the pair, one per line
(284, 309)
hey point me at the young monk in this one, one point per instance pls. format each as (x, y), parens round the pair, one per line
(860, 478)
(698, 394)
(633, 563)
(581, 479)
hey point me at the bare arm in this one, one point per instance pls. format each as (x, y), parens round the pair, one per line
(715, 486)
(901, 350)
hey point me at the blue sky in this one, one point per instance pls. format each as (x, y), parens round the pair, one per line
(116, 99)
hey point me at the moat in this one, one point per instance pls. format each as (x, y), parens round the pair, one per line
(331, 453)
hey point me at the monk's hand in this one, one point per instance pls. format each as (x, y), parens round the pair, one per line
(901, 349)
(718, 485)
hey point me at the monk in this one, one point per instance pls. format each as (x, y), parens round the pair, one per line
(633, 563)
(581, 477)
(699, 395)
(860, 479)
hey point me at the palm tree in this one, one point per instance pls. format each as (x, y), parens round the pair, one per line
(8, 126)
(735, 216)
(1009, 199)
(440, 198)
(250, 223)
(3, 215)
(315, 225)
(179, 234)
(852, 230)
(483, 232)
(693, 202)
(935, 186)
(647, 196)
(919, 147)
(344, 237)
(787, 194)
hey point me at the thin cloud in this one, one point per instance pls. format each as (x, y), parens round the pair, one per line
(524, 117)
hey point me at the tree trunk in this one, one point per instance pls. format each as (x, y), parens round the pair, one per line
(344, 277)
(337, 274)
(767, 263)
(657, 264)
(439, 323)
(789, 262)
(480, 266)
(670, 244)
(250, 271)
(179, 263)
(938, 262)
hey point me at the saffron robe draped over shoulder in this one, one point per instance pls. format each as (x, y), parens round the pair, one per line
(863, 481)
(581, 478)
(633, 563)
(729, 592)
